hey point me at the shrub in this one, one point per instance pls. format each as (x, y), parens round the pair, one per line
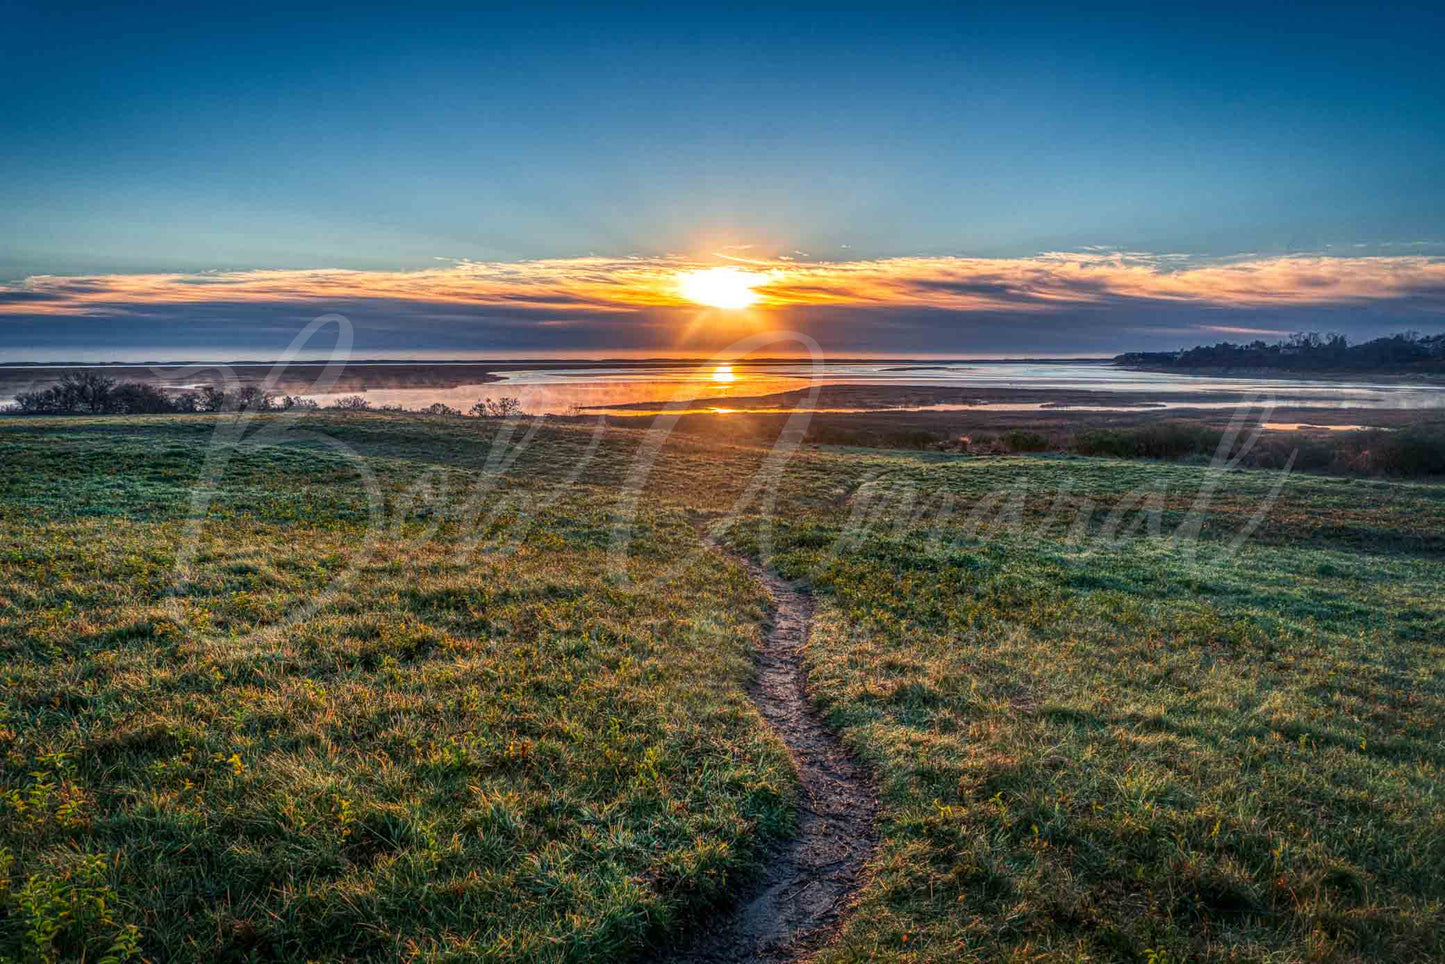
(873, 438)
(351, 403)
(1018, 441)
(1417, 450)
(1161, 440)
(37, 403)
(135, 398)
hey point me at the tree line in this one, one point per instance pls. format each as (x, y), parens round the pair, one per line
(91, 393)
(1307, 351)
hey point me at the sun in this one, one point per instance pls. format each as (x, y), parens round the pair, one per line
(720, 287)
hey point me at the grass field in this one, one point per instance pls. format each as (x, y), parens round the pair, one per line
(501, 739)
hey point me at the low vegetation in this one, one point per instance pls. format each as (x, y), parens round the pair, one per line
(91, 393)
(1024, 441)
(1095, 736)
(473, 751)
(1417, 450)
(1136, 748)
(895, 438)
(1159, 440)
(1414, 451)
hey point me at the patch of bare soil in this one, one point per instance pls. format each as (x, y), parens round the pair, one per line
(807, 882)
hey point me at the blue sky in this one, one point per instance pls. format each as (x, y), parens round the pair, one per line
(170, 138)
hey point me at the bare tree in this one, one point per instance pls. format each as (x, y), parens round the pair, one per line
(505, 407)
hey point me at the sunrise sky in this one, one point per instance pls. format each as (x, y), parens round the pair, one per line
(460, 181)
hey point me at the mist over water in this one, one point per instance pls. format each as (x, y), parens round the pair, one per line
(624, 387)
(605, 388)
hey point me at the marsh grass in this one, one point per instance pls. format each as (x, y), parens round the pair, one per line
(505, 756)
(1092, 742)
(1143, 750)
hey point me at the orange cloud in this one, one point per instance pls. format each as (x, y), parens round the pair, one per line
(1068, 280)
(606, 286)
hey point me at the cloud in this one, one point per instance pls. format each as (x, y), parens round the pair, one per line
(629, 284)
(1072, 280)
(1094, 297)
(1237, 330)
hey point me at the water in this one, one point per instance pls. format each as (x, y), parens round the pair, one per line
(714, 388)
(603, 389)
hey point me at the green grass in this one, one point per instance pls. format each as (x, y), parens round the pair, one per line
(501, 755)
(1097, 752)
(1092, 742)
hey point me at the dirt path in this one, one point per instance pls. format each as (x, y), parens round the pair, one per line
(806, 882)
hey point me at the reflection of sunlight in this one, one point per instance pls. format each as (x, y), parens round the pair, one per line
(1306, 426)
(723, 373)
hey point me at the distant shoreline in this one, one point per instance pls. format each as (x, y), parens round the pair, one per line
(1293, 374)
(511, 364)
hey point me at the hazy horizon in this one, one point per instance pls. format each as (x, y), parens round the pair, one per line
(558, 357)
